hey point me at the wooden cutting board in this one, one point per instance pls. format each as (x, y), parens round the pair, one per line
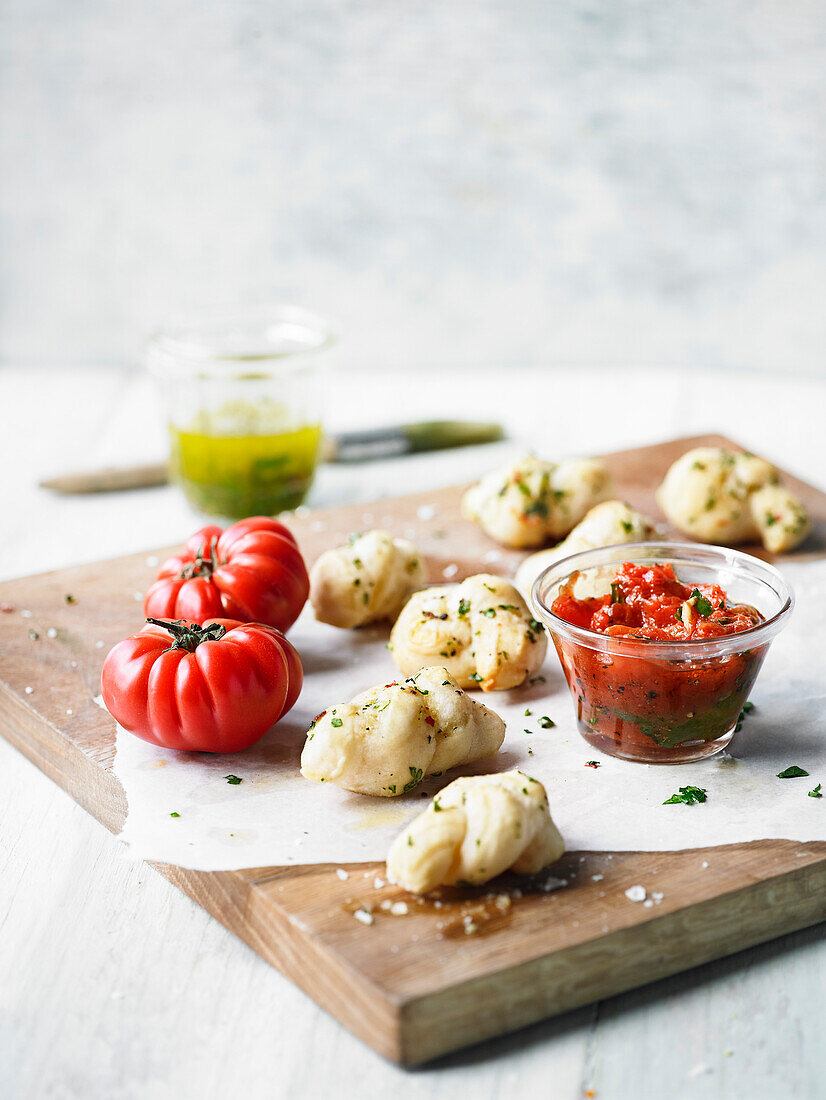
(477, 963)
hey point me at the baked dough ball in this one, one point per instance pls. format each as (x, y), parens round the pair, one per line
(389, 738)
(607, 524)
(481, 630)
(365, 581)
(531, 501)
(475, 829)
(724, 497)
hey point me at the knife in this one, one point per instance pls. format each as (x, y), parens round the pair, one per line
(358, 446)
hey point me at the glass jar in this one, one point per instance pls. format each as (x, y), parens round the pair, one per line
(662, 702)
(242, 403)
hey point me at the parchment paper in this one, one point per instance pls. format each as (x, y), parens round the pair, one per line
(276, 817)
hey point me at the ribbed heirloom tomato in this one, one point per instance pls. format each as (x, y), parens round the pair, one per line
(253, 571)
(212, 688)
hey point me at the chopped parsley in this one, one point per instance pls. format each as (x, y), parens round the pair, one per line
(792, 772)
(336, 722)
(592, 763)
(413, 781)
(464, 607)
(546, 723)
(537, 680)
(475, 677)
(527, 712)
(704, 607)
(233, 780)
(489, 612)
(174, 814)
(688, 795)
(816, 793)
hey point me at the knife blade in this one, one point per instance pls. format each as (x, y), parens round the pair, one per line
(355, 446)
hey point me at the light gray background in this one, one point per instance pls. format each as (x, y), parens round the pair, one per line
(468, 183)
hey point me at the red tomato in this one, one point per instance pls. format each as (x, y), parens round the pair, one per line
(212, 688)
(253, 572)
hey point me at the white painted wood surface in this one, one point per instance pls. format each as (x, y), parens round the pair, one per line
(113, 984)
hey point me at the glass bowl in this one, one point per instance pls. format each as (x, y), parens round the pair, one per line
(242, 400)
(663, 702)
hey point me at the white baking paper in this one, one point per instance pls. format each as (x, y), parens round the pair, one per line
(276, 817)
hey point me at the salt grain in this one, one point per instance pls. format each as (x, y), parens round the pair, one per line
(635, 893)
(426, 511)
(70, 711)
(399, 909)
(98, 644)
(450, 570)
(342, 874)
(648, 903)
(29, 690)
(597, 878)
(363, 916)
(378, 883)
(26, 614)
(317, 525)
(492, 555)
(704, 863)
(51, 632)
(137, 596)
(152, 561)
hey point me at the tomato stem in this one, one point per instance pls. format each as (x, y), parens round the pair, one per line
(189, 636)
(203, 564)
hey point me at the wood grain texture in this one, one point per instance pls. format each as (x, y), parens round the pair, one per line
(554, 951)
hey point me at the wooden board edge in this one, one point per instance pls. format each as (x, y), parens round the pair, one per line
(439, 1023)
(364, 1008)
(94, 787)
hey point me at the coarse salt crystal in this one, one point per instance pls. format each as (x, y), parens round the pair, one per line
(26, 614)
(648, 903)
(151, 561)
(657, 895)
(317, 525)
(450, 570)
(597, 878)
(29, 690)
(426, 511)
(99, 644)
(363, 916)
(342, 874)
(137, 596)
(635, 893)
(492, 555)
(378, 883)
(69, 711)
(51, 632)
(399, 909)
(704, 863)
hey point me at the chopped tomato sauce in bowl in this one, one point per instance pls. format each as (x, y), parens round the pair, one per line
(661, 643)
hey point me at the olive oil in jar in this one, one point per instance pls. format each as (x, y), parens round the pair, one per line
(244, 459)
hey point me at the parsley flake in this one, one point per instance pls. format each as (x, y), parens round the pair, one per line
(792, 772)
(233, 780)
(688, 795)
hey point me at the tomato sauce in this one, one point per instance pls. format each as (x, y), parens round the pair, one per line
(656, 709)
